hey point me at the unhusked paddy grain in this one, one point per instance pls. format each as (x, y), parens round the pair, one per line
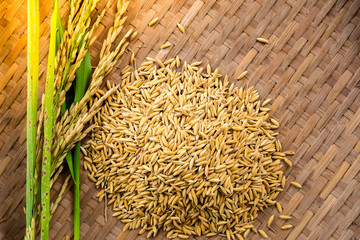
(296, 184)
(242, 75)
(286, 227)
(287, 161)
(263, 234)
(185, 151)
(132, 58)
(133, 36)
(152, 22)
(182, 29)
(165, 45)
(262, 40)
(271, 219)
(279, 207)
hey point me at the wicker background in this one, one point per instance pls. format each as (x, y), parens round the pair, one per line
(310, 69)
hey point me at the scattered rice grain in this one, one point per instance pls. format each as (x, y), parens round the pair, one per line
(152, 22)
(182, 29)
(286, 227)
(262, 40)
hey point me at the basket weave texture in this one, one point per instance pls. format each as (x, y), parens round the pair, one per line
(310, 68)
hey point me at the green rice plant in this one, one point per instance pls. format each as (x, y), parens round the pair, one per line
(67, 80)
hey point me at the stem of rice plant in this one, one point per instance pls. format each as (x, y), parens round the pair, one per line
(83, 75)
(32, 95)
(48, 130)
(70, 162)
(77, 193)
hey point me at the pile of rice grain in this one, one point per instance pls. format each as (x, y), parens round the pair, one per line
(186, 152)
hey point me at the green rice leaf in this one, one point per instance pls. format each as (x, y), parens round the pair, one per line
(83, 75)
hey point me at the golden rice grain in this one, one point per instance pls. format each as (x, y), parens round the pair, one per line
(152, 22)
(279, 207)
(287, 161)
(183, 236)
(289, 153)
(132, 58)
(271, 218)
(266, 102)
(239, 237)
(165, 45)
(182, 29)
(242, 75)
(286, 227)
(211, 234)
(263, 234)
(276, 123)
(285, 217)
(133, 35)
(177, 61)
(296, 184)
(283, 181)
(262, 40)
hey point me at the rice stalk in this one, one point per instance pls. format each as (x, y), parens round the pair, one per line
(32, 94)
(48, 129)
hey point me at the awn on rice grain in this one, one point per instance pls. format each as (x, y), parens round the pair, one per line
(184, 151)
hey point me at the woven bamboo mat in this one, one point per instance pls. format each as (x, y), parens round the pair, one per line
(310, 69)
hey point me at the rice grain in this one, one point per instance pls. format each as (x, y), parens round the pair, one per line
(166, 45)
(296, 184)
(286, 227)
(182, 29)
(152, 22)
(262, 40)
